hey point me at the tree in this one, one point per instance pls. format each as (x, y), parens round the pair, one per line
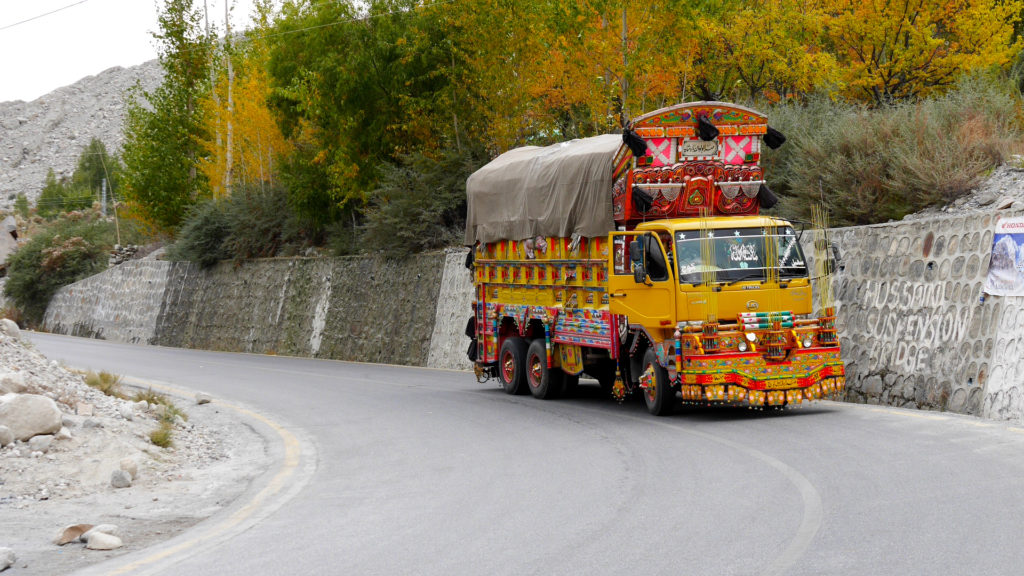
(165, 128)
(895, 50)
(94, 166)
(258, 142)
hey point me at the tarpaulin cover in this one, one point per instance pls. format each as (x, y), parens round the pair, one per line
(557, 190)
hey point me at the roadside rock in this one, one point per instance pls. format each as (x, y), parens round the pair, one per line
(40, 443)
(102, 541)
(120, 479)
(71, 533)
(7, 558)
(203, 398)
(129, 466)
(28, 415)
(84, 409)
(6, 436)
(110, 529)
(126, 412)
(7, 326)
(12, 383)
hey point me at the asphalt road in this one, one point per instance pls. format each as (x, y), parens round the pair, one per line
(419, 471)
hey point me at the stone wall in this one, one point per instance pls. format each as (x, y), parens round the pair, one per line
(120, 304)
(914, 329)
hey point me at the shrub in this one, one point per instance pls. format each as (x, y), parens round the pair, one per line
(201, 237)
(71, 248)
(252, 223)
(420, 203)
(872, 165)
(260, 224)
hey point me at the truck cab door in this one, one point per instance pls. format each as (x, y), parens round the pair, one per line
(651, 301)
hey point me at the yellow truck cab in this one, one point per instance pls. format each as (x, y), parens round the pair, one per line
(642, 261)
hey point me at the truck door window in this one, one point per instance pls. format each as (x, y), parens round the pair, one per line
(657, 269)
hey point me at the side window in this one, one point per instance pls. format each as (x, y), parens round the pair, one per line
(657, 267)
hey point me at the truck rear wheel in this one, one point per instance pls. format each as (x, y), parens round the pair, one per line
(512, 365)
(545, 383)
(658, 394)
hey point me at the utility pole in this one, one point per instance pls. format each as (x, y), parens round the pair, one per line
(229, 160)
(103, 196)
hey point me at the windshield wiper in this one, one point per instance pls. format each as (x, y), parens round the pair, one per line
(746, 276)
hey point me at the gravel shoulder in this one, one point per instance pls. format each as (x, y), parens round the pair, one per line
(215, 457)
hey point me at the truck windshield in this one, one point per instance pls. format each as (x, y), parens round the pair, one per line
(737, 254)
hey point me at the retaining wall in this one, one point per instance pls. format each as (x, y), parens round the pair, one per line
(914, 329)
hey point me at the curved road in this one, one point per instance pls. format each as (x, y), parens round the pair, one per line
(420, 471)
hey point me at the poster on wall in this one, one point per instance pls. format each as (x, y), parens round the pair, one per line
(1006, 267)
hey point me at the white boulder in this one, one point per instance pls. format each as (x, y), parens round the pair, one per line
(103, 541)
(7, 558)
(9, 327)
(6, 436)
(129, 466)
(12, 383)
(40, 443)
(29, 415)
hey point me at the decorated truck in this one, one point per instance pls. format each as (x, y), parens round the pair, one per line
(643, 261)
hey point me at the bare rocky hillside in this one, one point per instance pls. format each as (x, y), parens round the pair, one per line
(50, 131)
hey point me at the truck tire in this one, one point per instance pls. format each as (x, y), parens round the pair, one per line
(658, 397)
(512, 365)
(544, 383)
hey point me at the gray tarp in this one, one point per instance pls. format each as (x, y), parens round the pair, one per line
(557, 190)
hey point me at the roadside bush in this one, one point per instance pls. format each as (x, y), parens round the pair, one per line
(872, 165)
(252, 223)
(73, 247)
(201, 237)
(420, 203)
(260, 224)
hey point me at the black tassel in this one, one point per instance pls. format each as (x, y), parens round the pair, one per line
(636, 144)
(766, 197)
(706, 129)
(773, 138)
(642, 201)
(469, 259)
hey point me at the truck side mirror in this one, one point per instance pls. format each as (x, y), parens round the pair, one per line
(636, 257)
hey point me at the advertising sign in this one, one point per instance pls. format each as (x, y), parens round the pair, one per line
(1006, 267)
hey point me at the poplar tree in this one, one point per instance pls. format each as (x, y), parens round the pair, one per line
(165, 129)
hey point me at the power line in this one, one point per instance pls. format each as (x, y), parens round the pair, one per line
(43, 15)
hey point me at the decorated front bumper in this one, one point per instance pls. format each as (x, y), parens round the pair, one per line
(747, 378)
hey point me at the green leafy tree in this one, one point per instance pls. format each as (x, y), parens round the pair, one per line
(94, 166)
(165, 128)
(51, 199)
(354, 93)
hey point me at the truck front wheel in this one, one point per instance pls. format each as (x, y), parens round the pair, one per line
(545, 383)
(512, 365)
(658, 394)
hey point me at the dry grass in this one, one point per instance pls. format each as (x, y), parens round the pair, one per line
(109, 384)
(162, 436)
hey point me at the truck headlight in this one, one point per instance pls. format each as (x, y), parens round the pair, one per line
(742, 346)
(808, 342)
